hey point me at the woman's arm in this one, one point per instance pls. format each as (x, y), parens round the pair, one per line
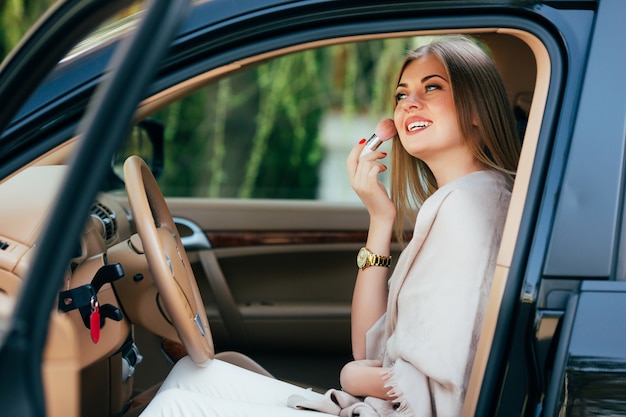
(365, 379)
(369, 299)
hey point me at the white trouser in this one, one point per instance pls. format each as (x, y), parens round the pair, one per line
(223, 390)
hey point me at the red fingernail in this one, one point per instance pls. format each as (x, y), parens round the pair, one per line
(362, 141)
(384, 153)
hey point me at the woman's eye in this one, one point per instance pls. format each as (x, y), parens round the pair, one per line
(432, 87)
(400, 96)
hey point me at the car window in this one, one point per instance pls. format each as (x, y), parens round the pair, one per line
(281, 129)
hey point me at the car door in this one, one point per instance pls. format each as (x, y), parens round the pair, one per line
(24, 389)
(276, 267)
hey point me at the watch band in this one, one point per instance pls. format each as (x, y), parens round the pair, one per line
(379, 260)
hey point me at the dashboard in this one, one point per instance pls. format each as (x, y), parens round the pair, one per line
(87, 296)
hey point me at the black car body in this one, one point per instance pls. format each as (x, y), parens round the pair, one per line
(554, 341)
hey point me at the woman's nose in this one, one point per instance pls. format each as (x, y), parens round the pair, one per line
(412, 101)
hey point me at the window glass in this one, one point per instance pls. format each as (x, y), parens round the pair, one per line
(281, 129)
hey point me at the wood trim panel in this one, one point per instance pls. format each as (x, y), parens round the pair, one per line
(221, 240)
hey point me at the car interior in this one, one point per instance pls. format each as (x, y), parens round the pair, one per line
(274, 275)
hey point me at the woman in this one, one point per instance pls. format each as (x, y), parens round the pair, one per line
(454, 159)
(414, 335)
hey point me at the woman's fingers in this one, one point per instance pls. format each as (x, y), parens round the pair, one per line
(353, 157)
(366, 172)
(363, 171)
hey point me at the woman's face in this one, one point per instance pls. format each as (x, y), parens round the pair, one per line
(425, 116)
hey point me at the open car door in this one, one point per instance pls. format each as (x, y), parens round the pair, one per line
(24, 330)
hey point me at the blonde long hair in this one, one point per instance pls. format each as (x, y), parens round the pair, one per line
(479, 94)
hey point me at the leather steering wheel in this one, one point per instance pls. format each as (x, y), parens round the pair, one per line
(168, 261)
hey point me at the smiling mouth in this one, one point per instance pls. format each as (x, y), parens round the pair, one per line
(412, 127)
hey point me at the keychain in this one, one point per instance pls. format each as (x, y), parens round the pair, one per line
(94, 320)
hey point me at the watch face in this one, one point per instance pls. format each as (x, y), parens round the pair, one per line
(361, 258)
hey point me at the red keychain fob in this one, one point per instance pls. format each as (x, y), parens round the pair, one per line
(94, 320)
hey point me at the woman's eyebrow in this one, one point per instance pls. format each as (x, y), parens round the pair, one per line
(428, 77)
(423, 80)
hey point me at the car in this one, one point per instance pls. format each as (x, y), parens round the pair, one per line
(244, 112)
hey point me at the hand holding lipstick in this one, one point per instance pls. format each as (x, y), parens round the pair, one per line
(363, 169)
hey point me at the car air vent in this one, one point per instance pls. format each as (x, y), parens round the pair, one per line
(108, 219)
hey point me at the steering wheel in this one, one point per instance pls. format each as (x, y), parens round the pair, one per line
(168, 261)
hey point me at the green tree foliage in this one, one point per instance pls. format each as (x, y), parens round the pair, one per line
(256, 133)
(16, 17)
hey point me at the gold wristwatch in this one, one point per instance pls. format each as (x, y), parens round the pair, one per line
(366, 258)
